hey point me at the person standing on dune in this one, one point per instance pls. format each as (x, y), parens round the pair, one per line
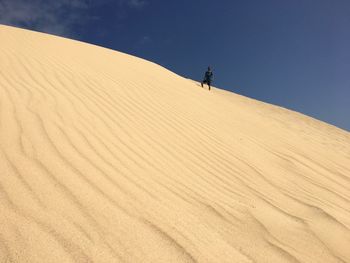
(208, 77)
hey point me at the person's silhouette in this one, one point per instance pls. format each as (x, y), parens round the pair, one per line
(208, 77)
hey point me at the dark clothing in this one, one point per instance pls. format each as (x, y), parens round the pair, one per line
(208, 77)
(207, 81)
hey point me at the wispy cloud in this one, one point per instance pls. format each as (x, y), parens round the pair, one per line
(136, 3)
(59, 17)
(56, 17)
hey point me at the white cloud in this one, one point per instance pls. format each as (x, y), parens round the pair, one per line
(136, 3)
(55, 17)
(133, 3)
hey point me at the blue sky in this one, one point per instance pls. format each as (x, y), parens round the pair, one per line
(293, 53)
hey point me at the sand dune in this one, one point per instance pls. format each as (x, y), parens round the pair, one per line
(105, 157)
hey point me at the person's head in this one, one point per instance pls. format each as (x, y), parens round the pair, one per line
(209, 69)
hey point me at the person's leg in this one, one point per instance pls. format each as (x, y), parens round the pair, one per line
(209, 84)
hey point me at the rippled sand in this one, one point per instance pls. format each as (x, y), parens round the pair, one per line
(105, 157)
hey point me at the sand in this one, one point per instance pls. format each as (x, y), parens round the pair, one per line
(105, 157)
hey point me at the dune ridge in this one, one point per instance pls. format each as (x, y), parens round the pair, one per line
(105, 157)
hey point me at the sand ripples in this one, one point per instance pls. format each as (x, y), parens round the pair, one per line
(109, 158)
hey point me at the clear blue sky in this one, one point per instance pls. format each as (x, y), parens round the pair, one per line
(293, 53)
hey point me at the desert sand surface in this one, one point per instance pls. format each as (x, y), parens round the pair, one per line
(105, 157)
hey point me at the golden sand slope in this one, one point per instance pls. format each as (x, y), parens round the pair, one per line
(105, 157)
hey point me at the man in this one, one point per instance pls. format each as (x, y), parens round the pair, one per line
(208, 77)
